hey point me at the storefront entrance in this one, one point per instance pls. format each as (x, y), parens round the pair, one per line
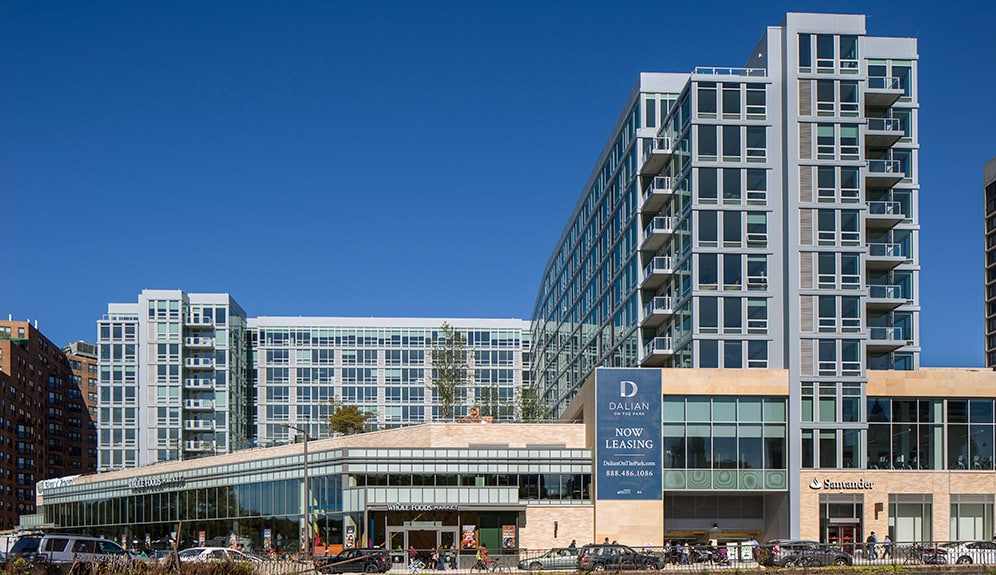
(422, 537)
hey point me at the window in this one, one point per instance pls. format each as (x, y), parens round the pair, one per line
(756, 105)
(757, 272)
(756, 144)
(825, 101)
(757, 354)
(805, 53)
(707, 143)
(732, 315)
(825, 142)
(733, 354)
(732, 235)
(824, 53)
(850, 233)
(849, 98)
(848, 54)
(708, 315)
(707, 185)
(757, 186)
(849, 143)
(708, 353)
(707, 100)
(850, 357)
(850, 314)
(731, 143)
(708, 229)
(731, 101)
(732, 275)
(827, 270)
(849, 190)
(731, 185)
(826, 227)
(826, 184)
(757, 315)
(708, 272)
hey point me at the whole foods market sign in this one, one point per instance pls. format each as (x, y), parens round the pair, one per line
(156, 482)
(628, 407)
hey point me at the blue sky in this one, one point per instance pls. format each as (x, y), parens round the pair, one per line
(393, 158)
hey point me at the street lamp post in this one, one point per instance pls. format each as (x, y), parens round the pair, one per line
(307, 496)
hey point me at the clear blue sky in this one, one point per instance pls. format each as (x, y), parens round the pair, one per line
(393, 158)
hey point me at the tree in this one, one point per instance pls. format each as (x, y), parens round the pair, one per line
(347, 420)
(532, 407)
(449, 368)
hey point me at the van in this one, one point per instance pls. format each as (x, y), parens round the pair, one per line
(53, 548)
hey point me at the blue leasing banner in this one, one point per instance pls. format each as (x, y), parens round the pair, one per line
(628, 457)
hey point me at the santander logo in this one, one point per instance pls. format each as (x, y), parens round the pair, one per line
(816, 484)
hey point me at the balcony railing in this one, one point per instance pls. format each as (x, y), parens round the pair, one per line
(886, 209)
(198, 383)
(726, 71)
(885, 292)
(658, 145)
(659, 304)
(884, 124)
(658, 265)
(887, 250)
(199, 362)
(659, 225)
(885, 167)
(198, 425)
(198, 404)
(198, 341)
(199, 446)
(886, 334)
(659, 345)
(884, 83)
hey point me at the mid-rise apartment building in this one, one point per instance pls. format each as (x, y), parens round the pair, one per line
(305, 366)
(989, 183)
(759, 217)
(188, 375)
(173, 378)
(44, 424)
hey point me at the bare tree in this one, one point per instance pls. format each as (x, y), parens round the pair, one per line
(449, 369)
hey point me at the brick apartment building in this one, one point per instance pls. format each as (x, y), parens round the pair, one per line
(46, 430)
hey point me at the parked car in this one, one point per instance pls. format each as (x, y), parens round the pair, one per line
(613, 557)
(962, 552)
(793, 552)
(55, 548)
(559, 558)
(208, 554)
(357, 560)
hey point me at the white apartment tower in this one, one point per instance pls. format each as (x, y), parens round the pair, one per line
(173, 379)
(755, 217)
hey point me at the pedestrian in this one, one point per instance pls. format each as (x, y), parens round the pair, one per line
(871, 541)
(754, 548)
(887, 546)
(574, 544)
(606, 542)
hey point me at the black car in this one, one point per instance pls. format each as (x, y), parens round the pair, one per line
(357, 560)
(613, 557)
(798, 552)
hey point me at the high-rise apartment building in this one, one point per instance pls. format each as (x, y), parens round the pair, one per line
(304, 366)
(173, 378)
(989, 182)
(82, 357)
(44, 423)
(754, 217)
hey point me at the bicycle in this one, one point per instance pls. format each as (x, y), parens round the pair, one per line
(490, 566)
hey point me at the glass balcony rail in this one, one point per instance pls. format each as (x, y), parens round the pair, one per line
(884, 124)
(198, 404)
(658, 225)
(885, 292)
(757, 283)
(658, 265)
(199, 446)
(198, 425)
(198, 341)
(884, 208)
(199, 362)
(884, 83)
(658, 145)
(659, 304)
(886, 334)
(726, 71)
(199, 320)
(887, 250)
(198, 383)
(885, 167)
(659, 345)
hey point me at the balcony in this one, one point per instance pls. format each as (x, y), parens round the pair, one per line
(658, 232)
(656, 156)
(198, 321)
(198, 404)
(198, 424)
(885, 297)
(658, 347)
(199, 342)
(657, 194)
(883, 173)
(199, 363)
(884, 339)
(885, 256)
(657, 272)
(884, 214)
(882, 133)
(657, 311)
(882, 92)
(198, 383)
(199, 446)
